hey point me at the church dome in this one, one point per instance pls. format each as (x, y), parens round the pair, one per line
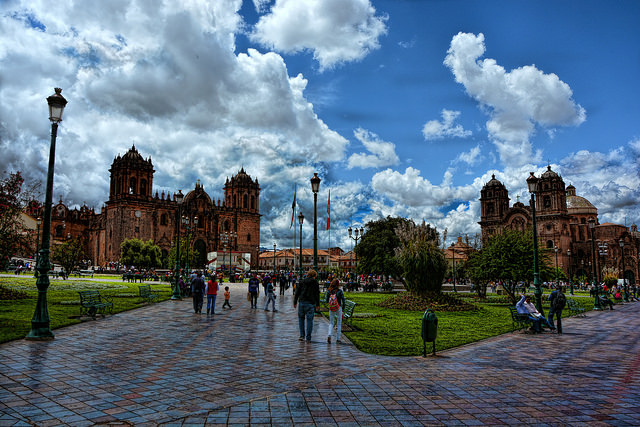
(577, 204)
(549, 174)
(494, 183)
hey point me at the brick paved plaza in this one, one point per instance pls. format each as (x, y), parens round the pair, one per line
(162, 364)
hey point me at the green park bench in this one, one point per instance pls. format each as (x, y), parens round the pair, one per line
(347, 310)
(92, 303)
(575, 309)
(147, 294)
(520, 321)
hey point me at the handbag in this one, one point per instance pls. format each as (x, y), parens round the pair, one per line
(248, 296)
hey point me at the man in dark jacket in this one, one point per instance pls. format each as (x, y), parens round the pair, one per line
(197, 290)
(308, 294)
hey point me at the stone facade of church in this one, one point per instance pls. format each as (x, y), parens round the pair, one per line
(135, 211)
(562, 220)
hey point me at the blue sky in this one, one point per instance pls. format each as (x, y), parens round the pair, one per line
(403, 107)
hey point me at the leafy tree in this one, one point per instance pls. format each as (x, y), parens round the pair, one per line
(376, 249)
(506, 258)
(193, 254)
(14, 237)
(139, 253)
(68, 254)
(419, 255)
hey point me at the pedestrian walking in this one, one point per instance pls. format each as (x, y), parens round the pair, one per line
(270, 297)
(335, 302)
(212, 293)
(558, 301)
(227, 296)
(283, 283)
(197, 291)
(254, 287)
(308, 294)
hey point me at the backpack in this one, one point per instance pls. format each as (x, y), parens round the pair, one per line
(334, 305)
(560, 301)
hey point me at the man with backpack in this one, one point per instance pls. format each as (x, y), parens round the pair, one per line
(558, 302)
(308, 295)
(197, 290)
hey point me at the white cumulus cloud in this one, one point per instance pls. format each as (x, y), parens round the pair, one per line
(435, 129)
(517, 100)
(382, 153)
(336, 31)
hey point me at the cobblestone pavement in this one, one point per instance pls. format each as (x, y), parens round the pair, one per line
(163, 364)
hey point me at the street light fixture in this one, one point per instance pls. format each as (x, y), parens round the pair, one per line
(300, 221)
(40, 322)
(570, 272)
(532, 183)
(624, 279)
(356, 232)
(594, 279)
(189, 226)
(315, 186)
(555, 249)
(176, 289)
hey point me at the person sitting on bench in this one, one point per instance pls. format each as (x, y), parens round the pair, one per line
(525, 306)
(604, 300)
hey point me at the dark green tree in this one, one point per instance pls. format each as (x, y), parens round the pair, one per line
(377, 247)
(420, 257)
(14, 237)
(69, 254)
(193, 254)
(506, 258)
(140, 254)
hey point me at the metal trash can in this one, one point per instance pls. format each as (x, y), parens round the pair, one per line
(429, 331)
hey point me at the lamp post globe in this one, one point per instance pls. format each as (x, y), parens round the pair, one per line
(532, 184)
(315, 186)
(179, 197)
(40, 322)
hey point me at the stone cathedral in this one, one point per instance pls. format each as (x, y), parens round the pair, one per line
(134, 210)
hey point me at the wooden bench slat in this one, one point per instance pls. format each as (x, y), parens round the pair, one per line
(92, 303)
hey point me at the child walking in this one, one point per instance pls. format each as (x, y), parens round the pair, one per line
(227, 295)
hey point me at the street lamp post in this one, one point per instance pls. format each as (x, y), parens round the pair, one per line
(274, 258)
(603, 251)
(453, 256)
(226, 238)
(624, 280)
(189, 226)
(35, 270)
(356, 232)
(594, 279)
(176, 289)
(300, 221)
(570, 272)
(315, 186)
(40, 322)
(532, 183)
(555, 249)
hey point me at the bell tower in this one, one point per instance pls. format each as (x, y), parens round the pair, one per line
(131, 177)
(494, 204)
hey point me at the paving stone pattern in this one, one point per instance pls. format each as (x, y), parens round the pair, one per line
(163, 364)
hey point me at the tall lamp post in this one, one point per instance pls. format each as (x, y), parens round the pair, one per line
(624, 280)
(356, 237)
(594, 279)
(453, 256)
(40, 322)
(555, 249)
(570, 272)
(532, 183)
(226, 239)
(274, 258)
(300, 221)
(315, 186)
(189, 227)
(35, 270)
(176, 289)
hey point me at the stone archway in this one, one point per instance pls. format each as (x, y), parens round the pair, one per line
(201, 254)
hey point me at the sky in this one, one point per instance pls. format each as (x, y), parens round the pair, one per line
(403, 107)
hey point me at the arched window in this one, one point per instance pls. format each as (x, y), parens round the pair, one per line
(143, 187)
(59, 230)
(245, 203)
(234, 201)
(132, 185)
(490, 209)
(549, 244)
(248, 237)
(163, 219)
(253, 202)
(546, 201)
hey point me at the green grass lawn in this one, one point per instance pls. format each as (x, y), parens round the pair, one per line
(397, 332)
(63, 301)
